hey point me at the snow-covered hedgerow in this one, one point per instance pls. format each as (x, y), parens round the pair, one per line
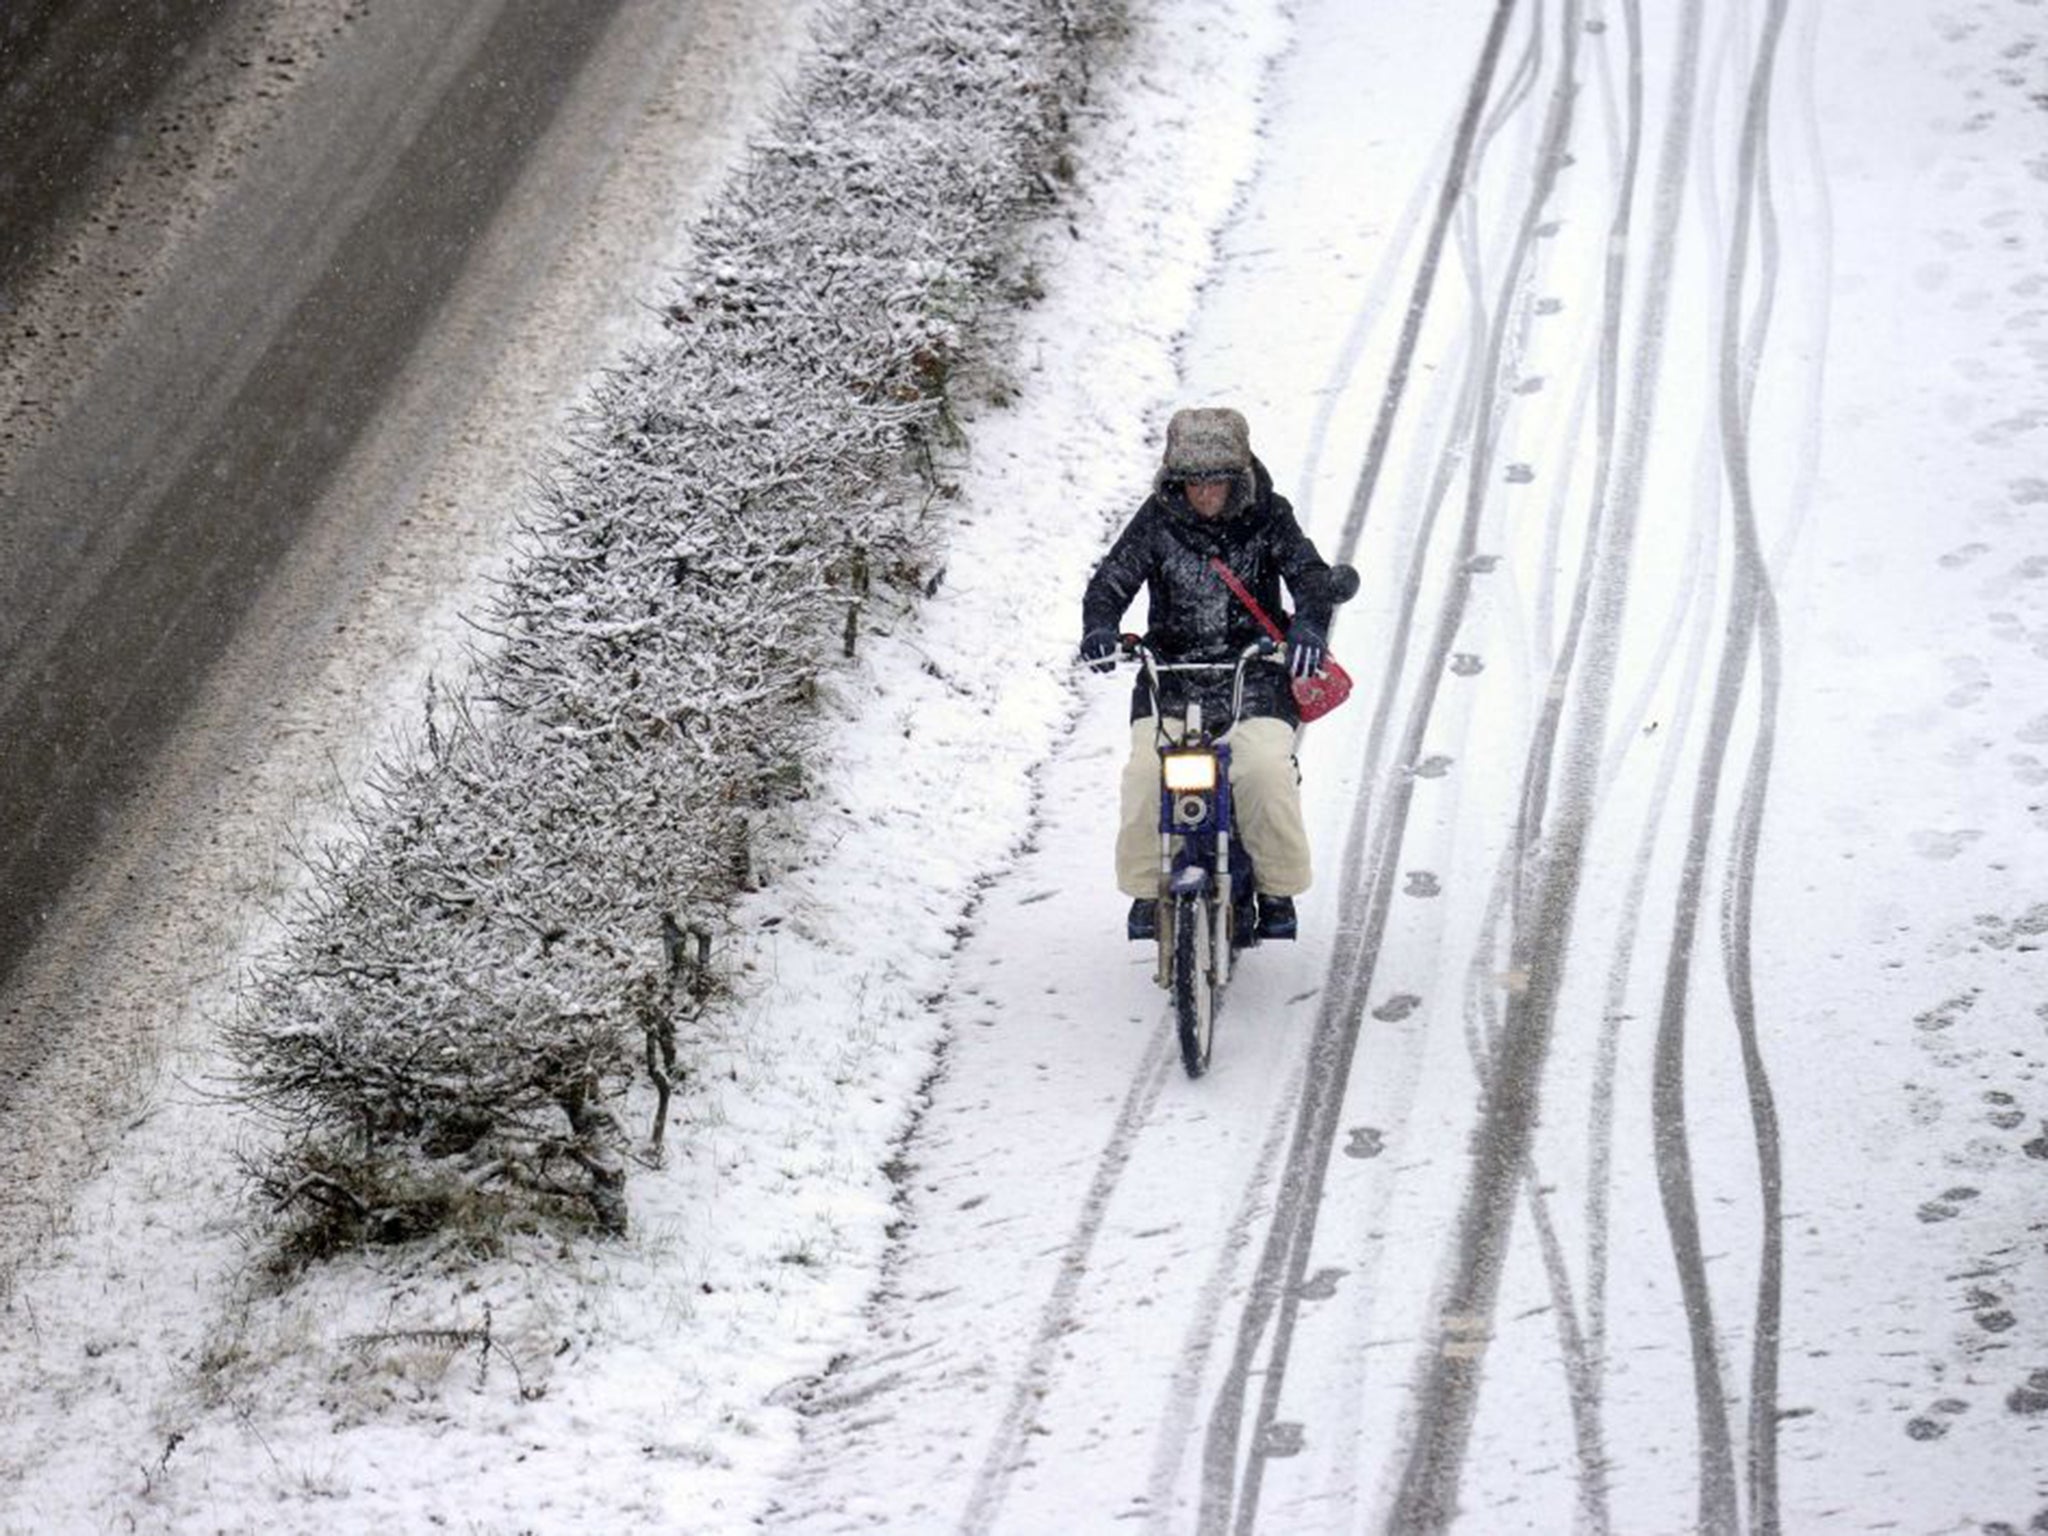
(507, 939)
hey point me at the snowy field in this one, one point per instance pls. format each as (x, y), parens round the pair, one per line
(1649, 1132)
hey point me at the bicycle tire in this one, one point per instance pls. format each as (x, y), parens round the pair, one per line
(1194, 988)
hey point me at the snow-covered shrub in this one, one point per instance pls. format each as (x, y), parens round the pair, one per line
(478, 971)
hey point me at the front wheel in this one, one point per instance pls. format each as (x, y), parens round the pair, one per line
(1194, 983)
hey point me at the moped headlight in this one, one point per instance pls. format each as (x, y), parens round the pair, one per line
(1190, 772)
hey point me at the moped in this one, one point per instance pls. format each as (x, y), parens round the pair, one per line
(1208, 903)
(1208, 911)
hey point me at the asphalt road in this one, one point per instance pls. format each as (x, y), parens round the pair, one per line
(145, 514)
(56, 136)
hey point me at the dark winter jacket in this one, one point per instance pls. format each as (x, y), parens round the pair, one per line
(1166, 549)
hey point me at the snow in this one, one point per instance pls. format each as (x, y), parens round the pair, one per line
(947, 1240)
(1082, 1384)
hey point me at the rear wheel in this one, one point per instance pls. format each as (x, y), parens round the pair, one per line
(1194, 984)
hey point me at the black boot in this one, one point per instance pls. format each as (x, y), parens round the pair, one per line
(1143, 922)
(1276, 917)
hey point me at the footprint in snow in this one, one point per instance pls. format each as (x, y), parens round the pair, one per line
(1482, 565)
(1422, 883)
(1465, 664)
(1520, 474)
(2030, 1400)
(1550, 306)
(1930, 844)
(1949, 1205)
(1366, 1141)
(1923, 1106)
(1397, 1007)
(1436, 765)
(1322, 1285)
(1955, 559)
(1946, 1014)
(2031, 491)
(2004, 1114)
(1531, 385)
(2006, 428)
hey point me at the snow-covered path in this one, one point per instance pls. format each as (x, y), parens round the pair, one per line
(1640, 1135)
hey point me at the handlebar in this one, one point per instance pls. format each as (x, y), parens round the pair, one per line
(1265, 648)
(1344, 587)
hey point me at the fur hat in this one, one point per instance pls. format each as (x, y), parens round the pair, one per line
(1206, 440)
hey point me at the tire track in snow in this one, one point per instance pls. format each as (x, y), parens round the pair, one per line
(1819, 245)
(1278, 1287)
(1691, 619)
(1582, 1380)
(1364, 889)
(1371, 305)
(1738, 914)
(1751, 623)
(1373, 881)
(1056, 1318)
(1455, 181)
(1543, 749)
(1005, 1450)
(1448, 1393)
(1366, 886)
(1482, 1012)
(1691, 616)
(1543, 652)
(1170, 1447)
(1503, 424)
(1695, 611)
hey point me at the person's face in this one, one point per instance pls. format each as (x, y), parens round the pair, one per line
(1208, 497)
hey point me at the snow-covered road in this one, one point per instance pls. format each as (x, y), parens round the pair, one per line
(192, 657)
(1640, 1137)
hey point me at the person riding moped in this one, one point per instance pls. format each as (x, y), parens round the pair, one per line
(1213, 499)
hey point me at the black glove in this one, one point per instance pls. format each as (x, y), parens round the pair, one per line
(1305, 645)
(1098, 649)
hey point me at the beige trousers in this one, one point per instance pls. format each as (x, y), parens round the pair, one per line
(1267, 790)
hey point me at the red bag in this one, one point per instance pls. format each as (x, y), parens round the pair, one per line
(1314, 696)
